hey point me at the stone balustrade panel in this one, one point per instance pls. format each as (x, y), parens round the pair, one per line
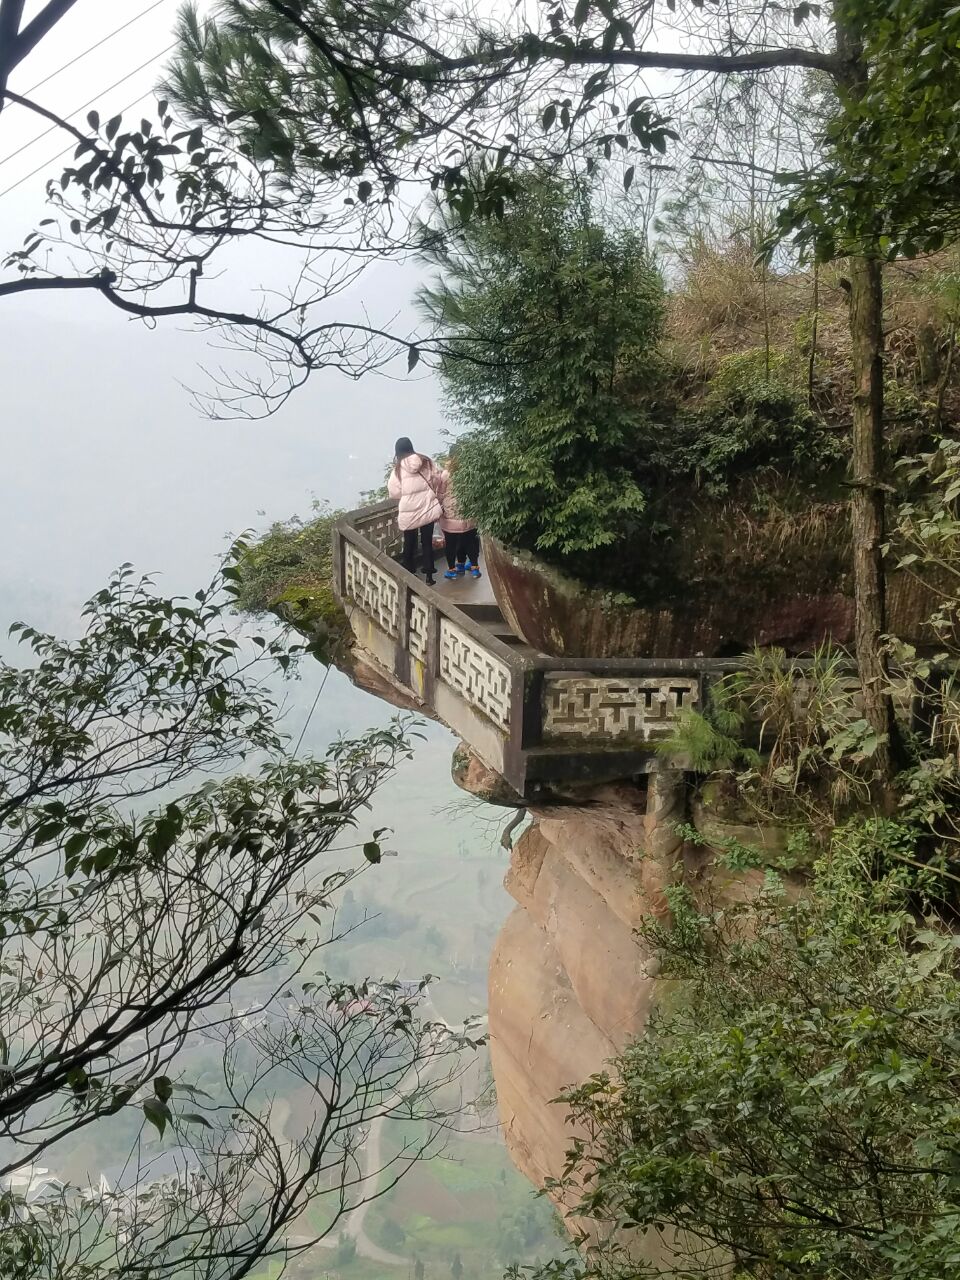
(418, 628)
(644, 708)
(371, 589)
(481, 679)
(380, 529)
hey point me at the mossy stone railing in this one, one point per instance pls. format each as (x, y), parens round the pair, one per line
(537, 720)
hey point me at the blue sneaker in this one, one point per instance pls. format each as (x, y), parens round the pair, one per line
(451, 573)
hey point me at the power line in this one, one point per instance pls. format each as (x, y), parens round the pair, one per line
(96, 97)
(40, 167)
(116, 31)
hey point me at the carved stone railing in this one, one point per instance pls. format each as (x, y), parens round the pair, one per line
(535, 719)
(378, 524)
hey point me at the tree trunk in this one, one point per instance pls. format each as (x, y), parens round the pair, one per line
(11, 15)
(814, 333)
(867, 514)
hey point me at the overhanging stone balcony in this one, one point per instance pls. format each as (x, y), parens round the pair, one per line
(537, 720)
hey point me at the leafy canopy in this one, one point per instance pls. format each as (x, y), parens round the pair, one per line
(547, 310)
(889, 177)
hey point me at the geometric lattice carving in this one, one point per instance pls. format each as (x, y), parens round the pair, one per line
(374, 591)
(645, 707)
(381, 530)
(479, 677)
(418, 627)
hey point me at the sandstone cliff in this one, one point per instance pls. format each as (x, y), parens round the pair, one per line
(570, 983)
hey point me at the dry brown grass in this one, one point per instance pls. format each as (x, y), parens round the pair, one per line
(817, 527)
(728, 303)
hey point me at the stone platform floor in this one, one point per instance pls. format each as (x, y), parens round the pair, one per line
(475, 596)
(465, 590)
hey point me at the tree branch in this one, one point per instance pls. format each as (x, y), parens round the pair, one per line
(16, 44)
(761, 60)
(640, 59)
(11, 13)
(34, 31)
(102, 281)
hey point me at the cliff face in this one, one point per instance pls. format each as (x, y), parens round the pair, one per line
(570, 983)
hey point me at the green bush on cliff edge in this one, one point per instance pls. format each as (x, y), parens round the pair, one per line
(288, 571)
(547, 311)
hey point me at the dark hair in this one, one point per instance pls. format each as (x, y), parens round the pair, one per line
(406, 450)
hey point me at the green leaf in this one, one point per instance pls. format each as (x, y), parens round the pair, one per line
(158, 1113)
(192, 1117)
(371, 851)
(413, 357)
(163, 1088)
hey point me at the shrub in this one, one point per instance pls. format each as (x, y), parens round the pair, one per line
(751, 419)
(796, 1112)
(288, 571)
(549, 313)
(291, 554)
(521, 488)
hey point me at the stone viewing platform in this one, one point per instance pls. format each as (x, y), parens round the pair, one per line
(537, 720)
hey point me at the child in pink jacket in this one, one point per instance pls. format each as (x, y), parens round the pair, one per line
(415, 481)
(461, 539)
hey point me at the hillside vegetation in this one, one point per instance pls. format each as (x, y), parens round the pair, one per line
(732, 427)
(729, 305)
(690, 432)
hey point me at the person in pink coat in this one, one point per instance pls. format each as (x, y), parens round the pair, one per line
(461, 539)
(415, 481)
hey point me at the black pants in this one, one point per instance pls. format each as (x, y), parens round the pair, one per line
(425, 534)
(461, 547)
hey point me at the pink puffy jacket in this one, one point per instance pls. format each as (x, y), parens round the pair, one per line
(450, 521)
(416, 487)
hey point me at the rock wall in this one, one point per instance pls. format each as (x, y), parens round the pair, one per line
(570, 982)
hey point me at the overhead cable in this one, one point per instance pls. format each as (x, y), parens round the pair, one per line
(115, 32)
(95, 99)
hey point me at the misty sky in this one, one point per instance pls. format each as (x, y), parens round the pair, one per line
(105, 459)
